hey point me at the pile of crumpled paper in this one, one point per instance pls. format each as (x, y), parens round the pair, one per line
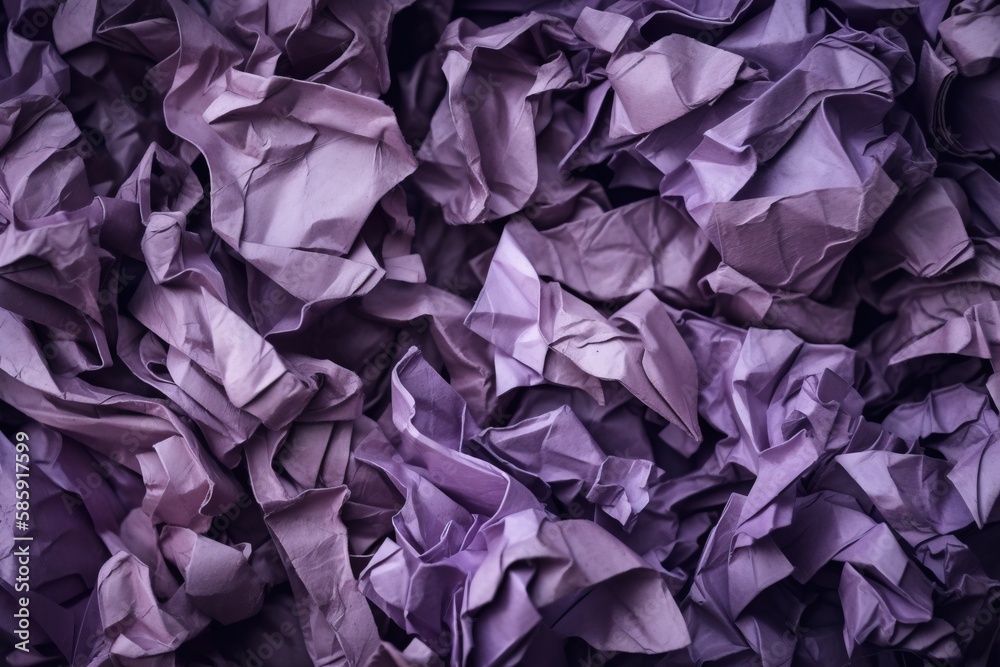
(557, 333)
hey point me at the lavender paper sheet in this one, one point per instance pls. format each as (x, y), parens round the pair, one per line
(487, 333)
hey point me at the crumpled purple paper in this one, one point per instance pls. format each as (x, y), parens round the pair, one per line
(485, 333)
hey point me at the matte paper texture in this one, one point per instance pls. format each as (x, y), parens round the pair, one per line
(482, 333)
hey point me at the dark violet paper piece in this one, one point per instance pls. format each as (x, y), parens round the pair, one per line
(487, 333)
